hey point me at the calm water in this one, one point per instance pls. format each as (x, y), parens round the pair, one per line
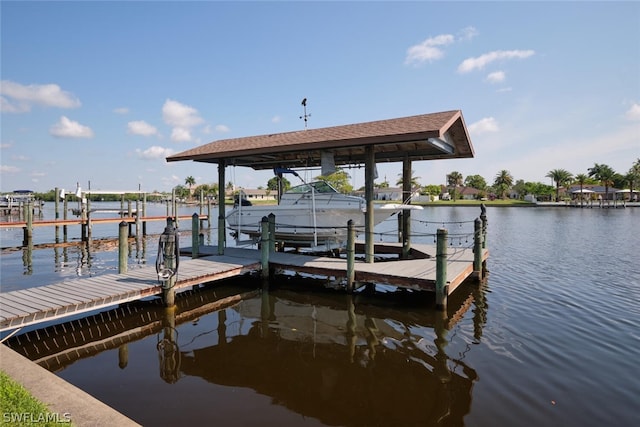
(551, 338)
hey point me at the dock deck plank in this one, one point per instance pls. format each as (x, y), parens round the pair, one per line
(33, 305)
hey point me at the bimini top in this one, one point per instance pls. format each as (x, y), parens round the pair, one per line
(424, 137)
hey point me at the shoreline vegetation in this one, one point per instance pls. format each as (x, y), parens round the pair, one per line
(20, 408)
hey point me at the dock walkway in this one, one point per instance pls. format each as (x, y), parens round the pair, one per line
(34, 305)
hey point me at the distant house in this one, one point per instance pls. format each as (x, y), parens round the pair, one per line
(464, 193)
(259, 194)
(596, 192)
(389, 193)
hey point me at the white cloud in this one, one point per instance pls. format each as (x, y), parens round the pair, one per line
(467, 33)
(276, 119)
(140, 127)
(180, 135)
(428, 50)
(23, 97)
(121, 110)
(496, 77)
(20, 157)
(66, 128)
(154, 152)
(6, 145)
(182, 117)
(488, 124)
(9, 169)
(481, 61)
(633, 113)
(222, 128)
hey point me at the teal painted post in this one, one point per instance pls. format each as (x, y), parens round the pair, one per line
(123, 249)
(441, 269)
(351, 255)
(272, 232)
(483, 218)
(264, 247)
(195, 235)
(477, 248)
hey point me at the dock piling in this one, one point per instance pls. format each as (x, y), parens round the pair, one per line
(123, 249)
(477, 248)
(264, 247)
(195, 235)
(441, 269)
(272, 232)
(351, 250)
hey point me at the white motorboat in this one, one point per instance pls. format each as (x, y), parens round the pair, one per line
(312, 214)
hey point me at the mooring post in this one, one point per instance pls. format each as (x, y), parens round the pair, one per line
(123, 247)
(195, 235)
(441, 269)
(65, 211)
(167, 269)
(351, 255)
(28, 217)
(477, 248)
(272, 232)
(264, 246)
(400, 224)
(144, 214)
(483, 217)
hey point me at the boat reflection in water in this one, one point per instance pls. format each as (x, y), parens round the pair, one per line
(339, 359)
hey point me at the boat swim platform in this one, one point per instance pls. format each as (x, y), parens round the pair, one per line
(31, 306)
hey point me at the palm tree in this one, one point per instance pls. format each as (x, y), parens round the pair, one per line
(560, 177)
(604, 174)
(581, 179)
(454, 179)
(503, 182)
(414, 180)
(190, 181)
(633, 177)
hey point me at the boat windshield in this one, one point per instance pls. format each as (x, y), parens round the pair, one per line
(318, 186)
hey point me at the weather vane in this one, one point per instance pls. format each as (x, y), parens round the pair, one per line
(305, 116)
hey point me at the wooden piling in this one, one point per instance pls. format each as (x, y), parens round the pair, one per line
(441, 269)
(477, 248)
(123, 248)
(264, 247)
(351, 252)
(195, 235)
(272, 232)
(483, 218)
(168, 285)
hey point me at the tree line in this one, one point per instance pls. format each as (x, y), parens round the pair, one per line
(503, 184)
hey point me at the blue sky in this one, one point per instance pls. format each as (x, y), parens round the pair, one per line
(101, 92)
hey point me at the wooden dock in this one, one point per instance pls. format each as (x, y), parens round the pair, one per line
(34, 305)
(80, 221)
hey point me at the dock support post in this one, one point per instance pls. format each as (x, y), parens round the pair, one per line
(28, 217)
(195, 235)
(144, 214)
(170, 236)
(442, 289)
(351, 252)
(123, 249)
(65, 210)
(406, 214)
(483, 218)
(264, 247)
(477, 248)
(272, 232)
(369, 177)
(221, 214)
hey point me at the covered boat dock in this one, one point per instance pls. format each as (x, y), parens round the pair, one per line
(433, 136)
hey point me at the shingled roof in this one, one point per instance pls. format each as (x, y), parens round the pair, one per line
(424, 137)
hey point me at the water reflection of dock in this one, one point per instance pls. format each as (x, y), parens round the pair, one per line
(342, 359)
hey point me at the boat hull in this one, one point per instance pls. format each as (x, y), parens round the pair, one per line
(299, 226)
